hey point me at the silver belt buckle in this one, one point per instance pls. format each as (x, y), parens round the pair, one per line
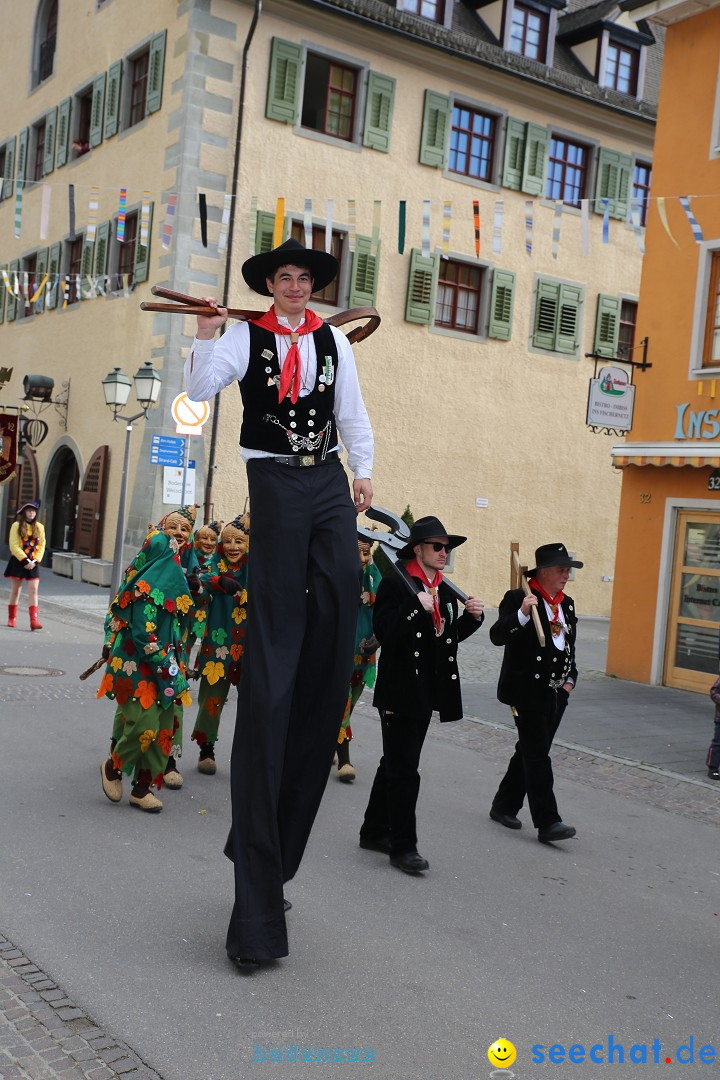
(307, 459)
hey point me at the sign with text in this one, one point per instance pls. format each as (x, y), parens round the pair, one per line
(611, 400)
(173, 485)
(167, 450)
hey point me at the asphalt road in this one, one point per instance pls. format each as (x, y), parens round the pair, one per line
(611, 934)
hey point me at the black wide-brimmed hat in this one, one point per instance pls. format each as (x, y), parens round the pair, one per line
(428, 528)
(321, 264)
(34, 505)
(552, 555)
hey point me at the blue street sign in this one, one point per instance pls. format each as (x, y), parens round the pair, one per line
(167, 450)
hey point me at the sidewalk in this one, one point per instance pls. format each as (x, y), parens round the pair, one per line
(651, 726)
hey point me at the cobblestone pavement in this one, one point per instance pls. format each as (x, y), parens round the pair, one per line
(44, 1036)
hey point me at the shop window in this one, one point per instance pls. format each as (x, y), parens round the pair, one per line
(44, 41)
(472, 143)
(457, 297)
(556, 321)
(330, 294)
(622, 63)
(642, 177)
(567, 170)
(529, 32)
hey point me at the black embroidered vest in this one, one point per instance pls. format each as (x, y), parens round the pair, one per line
(308, 426)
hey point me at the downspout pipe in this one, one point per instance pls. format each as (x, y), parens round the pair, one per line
(228, 262)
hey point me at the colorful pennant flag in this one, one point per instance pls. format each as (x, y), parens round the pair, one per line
(426, 227)
(145, 219)
(476, 225)
(169, 221)
(279, 226)
(402, 218)
(92, 214)
(606, 220)
(18, 206)
(447, 218)
(202, 203)
(557, 219)
(696, 230)
(307, 223)
(224, 223)
(122, 208)
(497, 227)
(352, 228)
(529, 207)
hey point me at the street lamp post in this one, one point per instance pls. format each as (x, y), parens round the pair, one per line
(116, 388)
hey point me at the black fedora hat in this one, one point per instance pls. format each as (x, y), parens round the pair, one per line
(428, 528)
(321, 264)
(552, 555)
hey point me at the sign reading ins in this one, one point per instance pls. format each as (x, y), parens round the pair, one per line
(611, 400)
(696, 423)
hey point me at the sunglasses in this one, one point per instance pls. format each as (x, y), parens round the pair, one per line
(436, 545)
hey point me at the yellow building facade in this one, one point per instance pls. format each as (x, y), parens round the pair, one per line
(389, 129)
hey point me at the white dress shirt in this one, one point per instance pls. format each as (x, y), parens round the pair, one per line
(215, 363)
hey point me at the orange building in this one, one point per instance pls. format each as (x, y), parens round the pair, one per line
(665, 621)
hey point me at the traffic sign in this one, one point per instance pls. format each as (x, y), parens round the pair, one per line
(189, 415)
(167, 450)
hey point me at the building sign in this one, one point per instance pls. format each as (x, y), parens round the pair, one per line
(173, 485)
(696, 423)
(8, 446)
(611, 400)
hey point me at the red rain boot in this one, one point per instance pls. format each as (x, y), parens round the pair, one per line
(12, 613)
(35, 623)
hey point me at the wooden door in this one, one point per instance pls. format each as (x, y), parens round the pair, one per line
(91, 505)
(693, 638)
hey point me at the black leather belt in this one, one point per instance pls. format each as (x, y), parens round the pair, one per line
(305, 461)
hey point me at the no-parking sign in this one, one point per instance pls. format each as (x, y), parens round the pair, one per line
(189, 415)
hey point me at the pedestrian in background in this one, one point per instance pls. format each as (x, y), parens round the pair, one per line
(713, 755)
(27, 547)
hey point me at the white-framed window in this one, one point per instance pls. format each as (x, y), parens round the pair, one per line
(715, 131)
(705, 340)
(459, 296)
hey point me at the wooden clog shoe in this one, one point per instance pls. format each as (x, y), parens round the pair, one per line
(148, 802)
(112, 788)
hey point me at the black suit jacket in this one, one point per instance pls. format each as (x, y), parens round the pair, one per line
(527, 668)
(417, 670)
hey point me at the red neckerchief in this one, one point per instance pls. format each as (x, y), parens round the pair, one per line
(291, 369)
(554, 602)
(413, 567)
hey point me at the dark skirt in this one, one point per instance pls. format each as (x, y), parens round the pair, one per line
(17, 569)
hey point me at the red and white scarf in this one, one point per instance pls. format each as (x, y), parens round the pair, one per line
(413, 567)
(292, 367)
(556, 623)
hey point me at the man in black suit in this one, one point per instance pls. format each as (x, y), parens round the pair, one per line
(536, 681)
(416, 622)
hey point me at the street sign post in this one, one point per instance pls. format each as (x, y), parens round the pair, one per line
(167, 450)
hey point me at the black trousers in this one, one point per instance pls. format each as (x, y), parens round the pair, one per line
(302, 610)
(393, 798)
(530, 769)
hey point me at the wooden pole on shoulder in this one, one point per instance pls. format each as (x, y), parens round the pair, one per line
(518, 575)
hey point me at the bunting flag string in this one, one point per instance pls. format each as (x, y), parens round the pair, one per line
(45, 211)
(122, 209)
(497, 227)
(307, 223)
(145, 219)
(253, 229)
(279, 226)
(529, 226)
(71, 212)
(66, 289)
(426, 227)
(202, 203)
(606, 221)
(224, 223)
(329, 212)
(662, 212)
(18, 207)
(557, 219)
(476, 226)
(352, 228)
(637, 227)
(447, 220)
(585, 227)
(38, 291)
(696, 230)
(93, 206)
(402, 213)
(375, 240)
(167, 229)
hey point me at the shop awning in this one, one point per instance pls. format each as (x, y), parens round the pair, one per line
(698, 454)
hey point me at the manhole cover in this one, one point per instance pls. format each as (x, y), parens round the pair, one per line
(29, 672)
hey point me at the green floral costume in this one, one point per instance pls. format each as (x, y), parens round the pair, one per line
(364, 666)
(220, 658)
(145, 672)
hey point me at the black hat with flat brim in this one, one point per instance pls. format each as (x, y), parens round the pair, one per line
(552, 555)
(428, 528)
(322, 266)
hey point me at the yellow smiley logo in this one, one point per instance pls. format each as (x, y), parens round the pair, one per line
(501, 1054)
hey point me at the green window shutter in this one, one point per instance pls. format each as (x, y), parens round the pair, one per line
(546, 310)
(102, 249)
(21, 160)
(112, 109)
(156, 70)
(3, 291)
(435, 129)
(607, 325)
(86, 264)
(264, 229)
(41, 266)
(422, 284)
(53, 286)
(283, 89)
(63, 133)
(514, 153)
(568, 324)
(614, 171)
(379, 111)
(535, 160)
(97, 109)
(11, 307)
(502, 300)
(141, 266)
(363, 274)
(9, 167)
(50, 129)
